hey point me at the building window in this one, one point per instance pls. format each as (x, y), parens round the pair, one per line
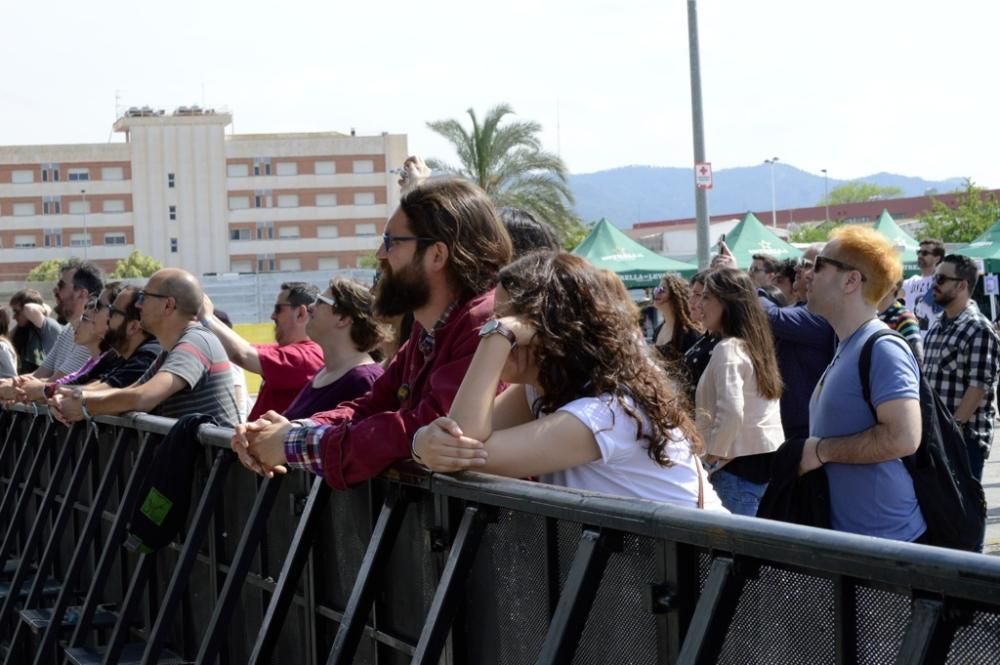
(24, 209)
(237, 170)
(364, 166)
(288, 232)
(79, 240)
(114, 238)
(51, 205)
(288, 200)
(364, 199)
(262, 198)
(287, 168)
(329, 263)
(172, 213)
(327, 231)
(239, 234)
(364, 229)
(239, 202)
(170, 180)
(25, 241)
(113, 205)
(265, 263)
(22, 177)
(241, 265)
(291, 265)
(325, 168)
(50, 173)
(265, 230)
(326, 200)
(80, 207)
(79, 174)
(112, 173)
(52, 237)
(262, 166)
(173, 245)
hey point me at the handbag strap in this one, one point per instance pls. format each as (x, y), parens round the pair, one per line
(701, 486)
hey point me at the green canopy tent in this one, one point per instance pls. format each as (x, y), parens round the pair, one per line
(750, 237)
(888, 227)
(987, 248)
(607, 247)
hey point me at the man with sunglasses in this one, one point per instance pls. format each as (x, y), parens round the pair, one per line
(79, 283)
(191, 376)
(440, 255)
(918, 290)
(870, 490)
(287, 364)
(962, 357)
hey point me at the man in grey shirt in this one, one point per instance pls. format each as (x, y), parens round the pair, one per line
(79, 284)
(192, 375)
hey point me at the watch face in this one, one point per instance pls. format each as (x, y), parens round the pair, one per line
(489, 327)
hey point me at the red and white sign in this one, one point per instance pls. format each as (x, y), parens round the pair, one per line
(703, 175)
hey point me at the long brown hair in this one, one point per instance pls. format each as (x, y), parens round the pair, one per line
(678, 293)
(743, 317)
(588, 346)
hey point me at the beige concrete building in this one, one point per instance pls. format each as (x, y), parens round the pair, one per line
(185, 192)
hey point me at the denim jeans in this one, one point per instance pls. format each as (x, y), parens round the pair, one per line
(738, 495)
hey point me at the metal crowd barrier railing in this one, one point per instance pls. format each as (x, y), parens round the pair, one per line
(437, 569)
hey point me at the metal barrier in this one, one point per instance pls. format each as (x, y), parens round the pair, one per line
(437, 569)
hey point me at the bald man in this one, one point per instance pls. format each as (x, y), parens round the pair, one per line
(192, 375)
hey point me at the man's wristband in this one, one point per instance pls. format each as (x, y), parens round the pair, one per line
(818, 458)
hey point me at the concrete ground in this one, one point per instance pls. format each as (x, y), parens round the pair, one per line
(991, 483)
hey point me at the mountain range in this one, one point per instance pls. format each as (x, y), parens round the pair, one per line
(632, 194)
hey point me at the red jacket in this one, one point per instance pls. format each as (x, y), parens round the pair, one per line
(375, 431)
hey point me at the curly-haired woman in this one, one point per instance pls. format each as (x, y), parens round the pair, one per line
(585, 409)
(736, 402)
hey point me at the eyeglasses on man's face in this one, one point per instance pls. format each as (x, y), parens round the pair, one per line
(940, 279)
(925, 252)
(389, 240)
(839, 265)
(140, 296)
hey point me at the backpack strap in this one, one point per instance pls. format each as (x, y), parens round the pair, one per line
(865, 363)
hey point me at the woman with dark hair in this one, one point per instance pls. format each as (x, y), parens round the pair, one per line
(678, 332)
(585, 408)
(8, 356)
(696, 357)
(737, 408)
(341, 322)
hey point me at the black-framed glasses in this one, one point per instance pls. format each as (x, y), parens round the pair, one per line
(388, 240)
(279, 305)
(141, 296)
(839, 265)
(925, 252)
(941, 279)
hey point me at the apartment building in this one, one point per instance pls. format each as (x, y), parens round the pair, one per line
(184, 191)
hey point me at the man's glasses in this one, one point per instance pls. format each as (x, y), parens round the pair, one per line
(940, 279)
(141, 296)
(839, 265)
(279, 305)
(925, 252)
(388, 240)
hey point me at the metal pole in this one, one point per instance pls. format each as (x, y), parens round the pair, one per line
(826, 193)
(86, 237)
(774, 207)
(700, 195)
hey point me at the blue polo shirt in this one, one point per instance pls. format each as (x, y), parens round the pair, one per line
(868, 499)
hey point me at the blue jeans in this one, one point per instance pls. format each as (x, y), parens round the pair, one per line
(738, 495)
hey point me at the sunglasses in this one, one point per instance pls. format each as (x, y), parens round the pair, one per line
(839, 265)
(659, 291)
(141, 296)
(279, 305)
(940, 279)
(925, 252)
(332, 302)
(388, 240)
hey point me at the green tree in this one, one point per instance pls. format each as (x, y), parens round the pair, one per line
(975, 211)
(136, 264)
(813, 232)
(369, 260)
(46, 271)
(858, 191)
(508, 162)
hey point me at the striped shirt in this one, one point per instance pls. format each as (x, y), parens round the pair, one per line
(66, 356)
(899, 318)
(200, 361)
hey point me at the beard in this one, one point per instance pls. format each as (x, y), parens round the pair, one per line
(117, 338)
(943, 299)
(400, 292)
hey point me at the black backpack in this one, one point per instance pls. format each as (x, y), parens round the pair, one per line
(950, 497)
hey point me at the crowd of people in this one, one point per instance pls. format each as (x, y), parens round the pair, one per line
(483, 346)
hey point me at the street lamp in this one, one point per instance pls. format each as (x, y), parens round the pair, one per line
(826, 193)
(774, 208)
(86, 237)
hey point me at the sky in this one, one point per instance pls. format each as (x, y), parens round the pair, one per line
(855, 87)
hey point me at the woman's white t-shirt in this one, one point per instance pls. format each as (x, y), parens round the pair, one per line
(625, 468)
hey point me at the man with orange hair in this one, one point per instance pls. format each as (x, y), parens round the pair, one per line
(871, 491)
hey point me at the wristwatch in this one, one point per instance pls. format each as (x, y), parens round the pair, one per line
(494, 327)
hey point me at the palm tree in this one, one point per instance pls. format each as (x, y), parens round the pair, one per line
(509, 164)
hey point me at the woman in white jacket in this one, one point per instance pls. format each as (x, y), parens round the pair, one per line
(736, 401)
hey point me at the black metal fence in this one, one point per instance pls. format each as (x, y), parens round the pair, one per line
(436, 569)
